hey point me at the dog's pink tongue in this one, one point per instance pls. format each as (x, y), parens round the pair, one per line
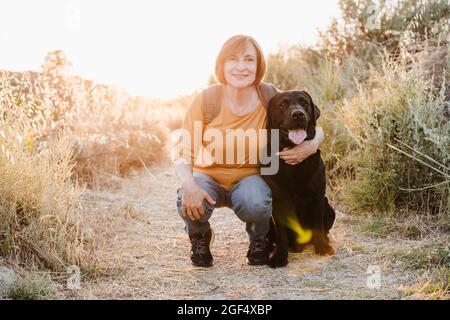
(297, 136)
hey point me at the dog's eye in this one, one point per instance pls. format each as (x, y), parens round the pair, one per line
(283, 105)
(303, 102)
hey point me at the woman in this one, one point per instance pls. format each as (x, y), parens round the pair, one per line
(240, 67)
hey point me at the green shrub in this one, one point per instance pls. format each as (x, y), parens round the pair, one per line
(403, 143)
(32, 287)
(369, 28)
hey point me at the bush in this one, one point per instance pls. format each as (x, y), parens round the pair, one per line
(403, 143)
(384, 96)
(368, 27)
(115, 142)
(33, 287)
(36, 195)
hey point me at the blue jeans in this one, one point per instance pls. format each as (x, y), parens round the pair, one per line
(250, 199)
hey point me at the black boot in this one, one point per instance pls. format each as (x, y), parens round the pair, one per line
(258, 252)
(201, 249)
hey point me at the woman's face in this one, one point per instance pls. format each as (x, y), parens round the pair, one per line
(240, 68)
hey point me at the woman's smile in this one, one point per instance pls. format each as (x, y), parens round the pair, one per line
(240, 76)
(240, 68)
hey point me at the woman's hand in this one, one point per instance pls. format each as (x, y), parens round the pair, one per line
(193, 197)
(302, 151)
(298, 153)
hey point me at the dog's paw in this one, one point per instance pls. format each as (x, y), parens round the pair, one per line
(278, 261)
(324, 249)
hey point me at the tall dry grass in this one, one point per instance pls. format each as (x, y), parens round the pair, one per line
(113, 133)
(118, 135)
(58, 132)
(113, 137)
(36, 194)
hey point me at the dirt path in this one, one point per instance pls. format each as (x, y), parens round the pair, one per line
(147, 243)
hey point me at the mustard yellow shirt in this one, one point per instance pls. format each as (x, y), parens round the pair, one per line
(234, 161)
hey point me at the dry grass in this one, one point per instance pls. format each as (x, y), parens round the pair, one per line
(432, 285)
(117, 134)
(428, 266)
(419, 249)
(36, 225)
(123, 139)
(113, 132)
(57, 130)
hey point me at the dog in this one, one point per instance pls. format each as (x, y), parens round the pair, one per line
(301, 213)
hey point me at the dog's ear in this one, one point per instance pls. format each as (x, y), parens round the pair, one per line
(311, 129)
(316, 110)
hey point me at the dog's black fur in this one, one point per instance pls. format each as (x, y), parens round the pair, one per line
(297, 189)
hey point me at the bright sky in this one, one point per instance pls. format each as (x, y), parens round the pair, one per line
(154, 48)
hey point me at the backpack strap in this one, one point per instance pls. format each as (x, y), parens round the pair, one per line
(211, 102)
(212, 99)
(265, 92)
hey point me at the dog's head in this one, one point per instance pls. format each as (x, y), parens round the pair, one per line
(295, 114)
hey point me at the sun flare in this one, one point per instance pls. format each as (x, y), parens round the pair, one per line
(150, 48)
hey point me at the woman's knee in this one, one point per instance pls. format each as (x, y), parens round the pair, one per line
(252, 199)
(254, 211)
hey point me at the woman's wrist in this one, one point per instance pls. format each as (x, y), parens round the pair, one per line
(313, 146)
(188, 182)
(317, 144)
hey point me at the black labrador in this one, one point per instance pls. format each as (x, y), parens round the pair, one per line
(301, 213)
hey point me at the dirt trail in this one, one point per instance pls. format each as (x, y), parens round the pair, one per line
(149, 246)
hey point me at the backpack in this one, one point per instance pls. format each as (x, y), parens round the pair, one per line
(212, 99)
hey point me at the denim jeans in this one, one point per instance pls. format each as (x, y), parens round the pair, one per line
(250, 199)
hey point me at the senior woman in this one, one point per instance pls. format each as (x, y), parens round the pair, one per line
(205, 185)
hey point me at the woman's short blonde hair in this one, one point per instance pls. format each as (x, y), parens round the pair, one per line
(237, 44)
